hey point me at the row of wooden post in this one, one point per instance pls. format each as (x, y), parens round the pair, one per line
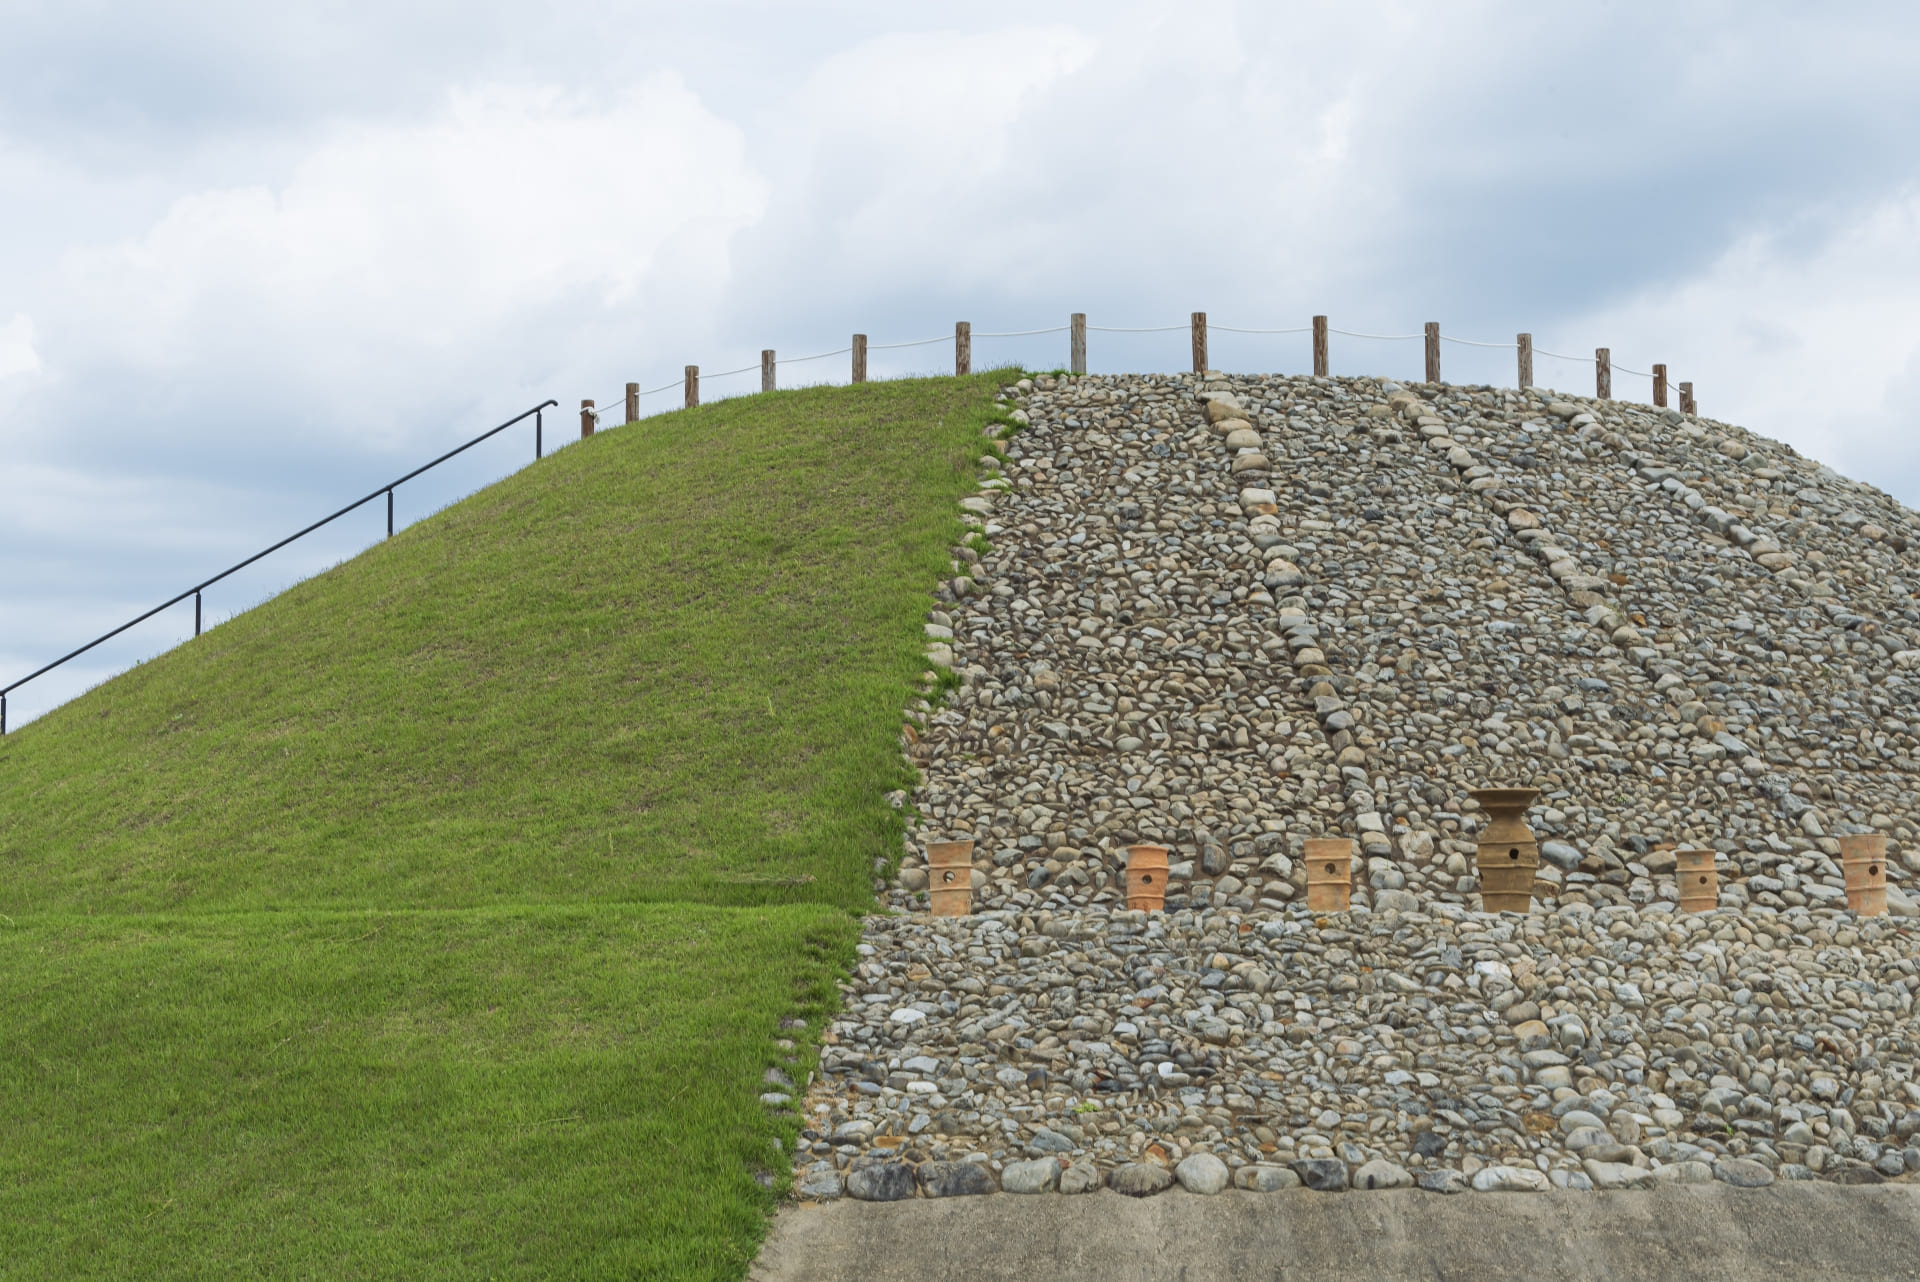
(1523, 343)
(1077, 362)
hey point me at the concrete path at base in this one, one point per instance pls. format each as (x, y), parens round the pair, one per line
(1684, 1234)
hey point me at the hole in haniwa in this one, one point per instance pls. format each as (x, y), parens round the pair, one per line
(1703, 879)
(1329, 870)
(1513, 854)
(1873, 870)
(948, 877)
(1146, 879)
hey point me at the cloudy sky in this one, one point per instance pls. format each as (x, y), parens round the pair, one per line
(259, 259)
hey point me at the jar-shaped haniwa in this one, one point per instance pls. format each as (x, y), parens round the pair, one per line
(1506, 853)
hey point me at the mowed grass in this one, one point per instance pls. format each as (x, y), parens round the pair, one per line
(438, 916)
(544, 1092)
(667, 663)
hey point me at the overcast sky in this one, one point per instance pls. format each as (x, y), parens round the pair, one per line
(262, 258)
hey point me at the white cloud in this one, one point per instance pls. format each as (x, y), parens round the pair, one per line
(893, 153)
(1805, 336)
(928, 103)
(17, 354)
(125, 510)
(401, 255)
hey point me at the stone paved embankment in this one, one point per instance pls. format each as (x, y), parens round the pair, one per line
(1226, 615)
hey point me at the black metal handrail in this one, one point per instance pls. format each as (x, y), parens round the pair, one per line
(537, 413)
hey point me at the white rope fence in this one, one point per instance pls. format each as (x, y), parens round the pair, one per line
(1198, 327)
(1385, 338)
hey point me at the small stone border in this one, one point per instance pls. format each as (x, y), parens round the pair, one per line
(1206, 1175)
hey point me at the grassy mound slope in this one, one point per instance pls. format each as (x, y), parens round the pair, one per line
(436, 917)
(667, 663)
(544, 1092)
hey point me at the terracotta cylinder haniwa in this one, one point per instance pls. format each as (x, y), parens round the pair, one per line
(1863, 858)
(1506, 853)
(1698, 880)
(1329, 874)
(950, 878)
(1147, 878)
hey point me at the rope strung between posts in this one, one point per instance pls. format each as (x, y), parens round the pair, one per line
(1023, 333)
(620, 402)
(918, 342)
(818, 356)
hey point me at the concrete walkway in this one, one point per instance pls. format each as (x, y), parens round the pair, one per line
(1683, 1234)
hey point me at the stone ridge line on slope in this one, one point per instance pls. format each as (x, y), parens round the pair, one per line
(1624, 767)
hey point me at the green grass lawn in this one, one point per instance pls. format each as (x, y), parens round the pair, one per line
(499, 1092)
(437, 916)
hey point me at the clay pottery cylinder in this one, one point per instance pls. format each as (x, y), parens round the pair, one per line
(1863, 858)
(1147, 878)
(1506, 854)
(950, 878)
(1329, 874)
(1698, 880)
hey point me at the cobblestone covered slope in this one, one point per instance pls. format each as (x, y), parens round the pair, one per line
(1226, 615)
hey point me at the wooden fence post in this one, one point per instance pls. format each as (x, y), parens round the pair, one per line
(1524, 342)
(1199, 342)
(1319, 347)
(1603, 373)
(633, 402)
(693, 386)
(1433, 351)
(1660, 386)
(859, 358)
(766, 370)
(1077, 343)
(962, 348)
(586, 419)
(1687, 403)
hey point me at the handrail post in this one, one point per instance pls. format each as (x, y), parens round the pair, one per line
(196, 613)
(962, 348)
(1660, 387)
(1523, 344)
(1433, 351)
(539, 430)
(1602, 374)
(586, 419)
(767, 364)
(859, 374)
(389, 511)
(693, 386)
(1319, 347)
(1077, 343)
(633, 402)
(1199, 327)
(3, 715)
(1687, 404)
